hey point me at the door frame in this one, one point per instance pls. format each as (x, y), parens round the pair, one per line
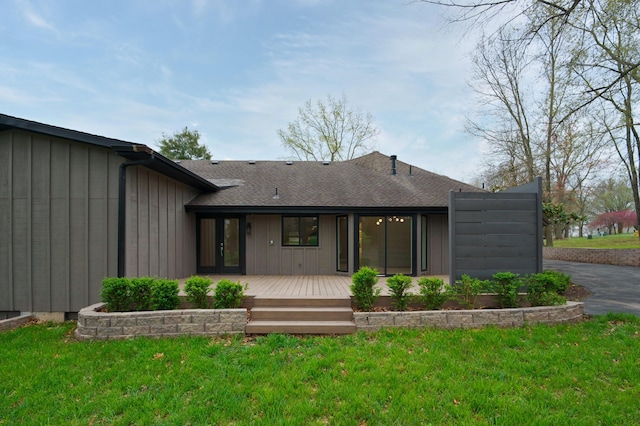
(219, 268)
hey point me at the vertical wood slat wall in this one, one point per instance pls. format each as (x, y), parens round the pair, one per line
(58, 223)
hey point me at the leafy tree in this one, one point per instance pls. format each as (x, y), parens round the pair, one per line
(328, 131)
(619, 219)
(184, 145)
(610, 195)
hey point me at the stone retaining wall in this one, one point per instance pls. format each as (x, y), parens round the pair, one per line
(11, 323)
(621, 257)
(96, 325)
(572, 312)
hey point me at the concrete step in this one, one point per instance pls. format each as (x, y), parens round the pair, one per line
(289, 301)
(301, 327)
(290, 313)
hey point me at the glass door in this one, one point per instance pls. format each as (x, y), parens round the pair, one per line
(386, 244)
(220, 245)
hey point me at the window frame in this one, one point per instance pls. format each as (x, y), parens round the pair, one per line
(299, 217)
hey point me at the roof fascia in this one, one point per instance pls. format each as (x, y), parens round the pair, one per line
(125, 149)
(308, 210)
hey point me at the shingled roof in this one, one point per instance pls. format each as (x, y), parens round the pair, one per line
(362, 183)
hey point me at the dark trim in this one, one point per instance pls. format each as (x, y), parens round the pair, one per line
(312, 210)
(128, 150)
(165, 166)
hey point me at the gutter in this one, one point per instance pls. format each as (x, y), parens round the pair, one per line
(122, 199)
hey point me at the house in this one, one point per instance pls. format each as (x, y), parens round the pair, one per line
(76, 207)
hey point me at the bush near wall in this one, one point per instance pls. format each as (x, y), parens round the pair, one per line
(139, 294)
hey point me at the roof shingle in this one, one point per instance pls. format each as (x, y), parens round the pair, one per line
(364, 182)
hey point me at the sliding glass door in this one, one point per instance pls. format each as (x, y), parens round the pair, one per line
(386, 244)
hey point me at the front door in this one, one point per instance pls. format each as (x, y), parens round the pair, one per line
(220, 245)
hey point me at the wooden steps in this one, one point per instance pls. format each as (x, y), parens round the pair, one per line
(296, 315)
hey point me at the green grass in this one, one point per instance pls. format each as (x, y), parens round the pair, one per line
(585, 374)
(619, 241)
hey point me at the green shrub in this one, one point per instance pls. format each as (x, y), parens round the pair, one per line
(467, 289)
(363, 288)
(197, 289)
(433, 293)
(542, 290)
(142, 293)
(228, 294)
(116, 293)
(398, 285)
(165, 294)
(559, 280)
(505, 285)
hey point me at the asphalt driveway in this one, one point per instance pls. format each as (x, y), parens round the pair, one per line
(613, 288)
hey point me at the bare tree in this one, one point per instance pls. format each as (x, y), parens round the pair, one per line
(498, 78)
(607, 62)
(328, 131)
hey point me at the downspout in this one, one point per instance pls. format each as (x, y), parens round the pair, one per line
(122, 199)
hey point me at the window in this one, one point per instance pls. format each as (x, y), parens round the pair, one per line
(300, 231)
(386, 244)
(342, 238)
(423, 239)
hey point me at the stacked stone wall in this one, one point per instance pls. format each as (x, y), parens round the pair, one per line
(621, 257)
(96, 325)
(570, 313)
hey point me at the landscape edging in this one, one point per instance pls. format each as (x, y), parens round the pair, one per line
(570, 313)
(96, 325)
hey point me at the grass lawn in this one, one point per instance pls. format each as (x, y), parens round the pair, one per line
(584, 374)
(621, 241)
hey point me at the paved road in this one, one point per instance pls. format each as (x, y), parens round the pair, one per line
(613, 288)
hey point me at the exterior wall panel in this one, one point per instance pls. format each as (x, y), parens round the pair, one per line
(437, 245)
(6, 221)
(160, 233)
(263, 258)
(58, 227)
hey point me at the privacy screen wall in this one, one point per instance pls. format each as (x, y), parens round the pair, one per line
(496, 232)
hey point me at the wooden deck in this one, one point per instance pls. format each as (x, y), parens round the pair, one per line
(300, 285)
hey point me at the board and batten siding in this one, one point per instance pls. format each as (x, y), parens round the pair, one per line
(58, 226)
(267, 256)
(437, 245)
(161, 235)
(496, 232)
(59, 223)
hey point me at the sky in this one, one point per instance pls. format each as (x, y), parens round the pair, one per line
(238, 70)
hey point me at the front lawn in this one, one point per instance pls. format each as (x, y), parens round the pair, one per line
(619, 241)
(585, 374)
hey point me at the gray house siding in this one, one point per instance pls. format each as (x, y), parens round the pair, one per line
(161, 236)
(59, 223)
(264, 258)
(437, 245)
(58, 227)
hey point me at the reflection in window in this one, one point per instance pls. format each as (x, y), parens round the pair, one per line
(423, 239)
(300, 231)
(343, 243)
(386, 243)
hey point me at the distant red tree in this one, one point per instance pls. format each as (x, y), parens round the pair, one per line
(621, 219)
